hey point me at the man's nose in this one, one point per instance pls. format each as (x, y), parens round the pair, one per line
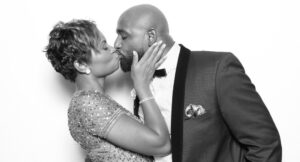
(117, 43)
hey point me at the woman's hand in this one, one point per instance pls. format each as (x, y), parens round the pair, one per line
(151, 137)
(142, 71)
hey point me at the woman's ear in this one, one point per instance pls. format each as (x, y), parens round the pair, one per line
(81, 67)
(152, 36)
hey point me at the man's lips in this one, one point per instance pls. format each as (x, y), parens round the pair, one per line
(119, 53)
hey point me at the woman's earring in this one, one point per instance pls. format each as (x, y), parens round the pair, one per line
(88, 71)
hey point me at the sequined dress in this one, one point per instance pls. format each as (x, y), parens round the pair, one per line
(91, 115)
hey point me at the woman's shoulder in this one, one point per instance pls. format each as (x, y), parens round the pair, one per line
(93, 100)
(96, 102)
(96, 111)
(82, 95)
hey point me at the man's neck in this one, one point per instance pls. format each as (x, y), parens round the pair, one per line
(169, 44)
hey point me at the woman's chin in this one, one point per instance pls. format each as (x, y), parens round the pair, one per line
(114, 70)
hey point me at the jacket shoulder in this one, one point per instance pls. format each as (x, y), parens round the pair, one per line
(209, 58)
(209, 54)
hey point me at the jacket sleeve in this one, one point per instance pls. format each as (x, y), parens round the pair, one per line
(245, 113)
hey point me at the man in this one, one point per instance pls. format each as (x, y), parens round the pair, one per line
(211, 107)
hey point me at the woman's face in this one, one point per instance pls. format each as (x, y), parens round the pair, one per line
(104, 62)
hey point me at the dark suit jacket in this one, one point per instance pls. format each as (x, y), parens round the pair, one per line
(236, 127)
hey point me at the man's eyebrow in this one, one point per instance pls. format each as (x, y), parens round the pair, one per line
(120, 31)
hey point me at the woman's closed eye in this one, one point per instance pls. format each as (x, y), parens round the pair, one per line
(105, 46)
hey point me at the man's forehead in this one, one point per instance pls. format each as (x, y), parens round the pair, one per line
(123, 26)
(129, 28)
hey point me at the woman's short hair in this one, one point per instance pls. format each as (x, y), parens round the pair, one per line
(69, 42)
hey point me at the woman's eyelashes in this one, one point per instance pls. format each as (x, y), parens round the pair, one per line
(105, 46)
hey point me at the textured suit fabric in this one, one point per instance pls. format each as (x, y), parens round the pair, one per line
(236, 127)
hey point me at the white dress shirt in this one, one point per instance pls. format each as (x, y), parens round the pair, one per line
(162, 90)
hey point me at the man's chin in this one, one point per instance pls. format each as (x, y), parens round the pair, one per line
(125, 70)
(125, 67)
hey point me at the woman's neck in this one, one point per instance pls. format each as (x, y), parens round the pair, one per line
(89, 83)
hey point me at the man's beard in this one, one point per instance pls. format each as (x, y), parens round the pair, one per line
(125, 63)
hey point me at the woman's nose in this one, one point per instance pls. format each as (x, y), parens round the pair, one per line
(111, 48)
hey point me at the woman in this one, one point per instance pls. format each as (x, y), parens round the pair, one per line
(107, 131)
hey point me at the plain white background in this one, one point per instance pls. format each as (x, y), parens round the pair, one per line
(263, 34)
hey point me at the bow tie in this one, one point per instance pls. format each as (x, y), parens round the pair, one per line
(160, 73)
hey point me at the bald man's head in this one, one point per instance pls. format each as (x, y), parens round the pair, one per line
(146, 17)
(138, 28)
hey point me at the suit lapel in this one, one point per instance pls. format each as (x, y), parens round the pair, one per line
(178, 104)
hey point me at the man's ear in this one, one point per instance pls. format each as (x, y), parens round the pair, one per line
(152, 36)
(81, 67)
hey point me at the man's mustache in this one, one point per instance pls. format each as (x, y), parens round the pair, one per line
(120, 53)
